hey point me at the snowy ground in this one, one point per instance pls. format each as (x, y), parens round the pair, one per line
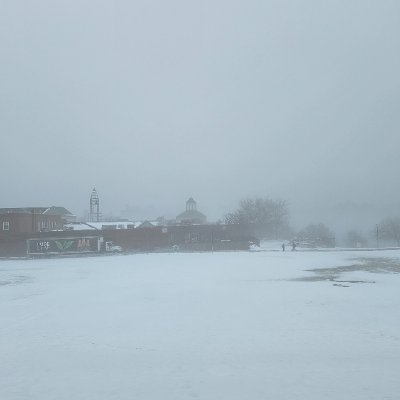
(202, 326)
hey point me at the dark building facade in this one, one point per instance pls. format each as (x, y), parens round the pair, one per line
(146, 239)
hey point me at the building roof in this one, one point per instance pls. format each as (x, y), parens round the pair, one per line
(53, 210)
(79, 226)
(111, 225)
(148, 224)
(22, 210)
(191, 215)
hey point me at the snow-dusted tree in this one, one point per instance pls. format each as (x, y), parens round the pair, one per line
(272, 216)
(389, 229)
(317, 235)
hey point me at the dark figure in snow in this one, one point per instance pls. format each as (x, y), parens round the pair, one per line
(283, 246)
(293, 246)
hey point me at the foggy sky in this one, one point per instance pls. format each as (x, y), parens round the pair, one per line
(155, 101)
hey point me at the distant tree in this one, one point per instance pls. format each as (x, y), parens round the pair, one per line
(355, 239)
(316, 235)
(389, 229)
(272, 216)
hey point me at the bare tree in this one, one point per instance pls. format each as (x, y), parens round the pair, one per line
(317, 235)
(389, 229)
(271, 216)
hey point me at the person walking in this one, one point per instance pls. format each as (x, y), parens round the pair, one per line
(283, 246)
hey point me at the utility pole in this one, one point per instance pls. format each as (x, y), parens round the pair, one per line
(377, 236)
(33, 220)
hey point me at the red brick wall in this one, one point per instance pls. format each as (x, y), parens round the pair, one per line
(28, 223)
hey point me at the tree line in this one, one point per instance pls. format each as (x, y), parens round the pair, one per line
(269, 219)
(384, 233)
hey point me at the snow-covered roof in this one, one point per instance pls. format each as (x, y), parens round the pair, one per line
(110, 225)
(78, 226)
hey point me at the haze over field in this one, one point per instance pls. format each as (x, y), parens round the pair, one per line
(154, 101)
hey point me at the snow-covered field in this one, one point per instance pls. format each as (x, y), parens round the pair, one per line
(201, 326)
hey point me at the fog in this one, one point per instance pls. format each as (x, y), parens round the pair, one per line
(152, 102)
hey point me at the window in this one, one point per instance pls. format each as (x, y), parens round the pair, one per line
(6, 225)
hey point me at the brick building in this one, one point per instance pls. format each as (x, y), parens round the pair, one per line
(14, 221)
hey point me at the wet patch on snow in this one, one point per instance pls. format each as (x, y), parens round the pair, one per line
(15, 280)
(371, 265)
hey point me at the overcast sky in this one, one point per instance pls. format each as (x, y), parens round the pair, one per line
(155, 101)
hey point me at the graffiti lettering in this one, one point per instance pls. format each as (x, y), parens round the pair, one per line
(43, 246)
